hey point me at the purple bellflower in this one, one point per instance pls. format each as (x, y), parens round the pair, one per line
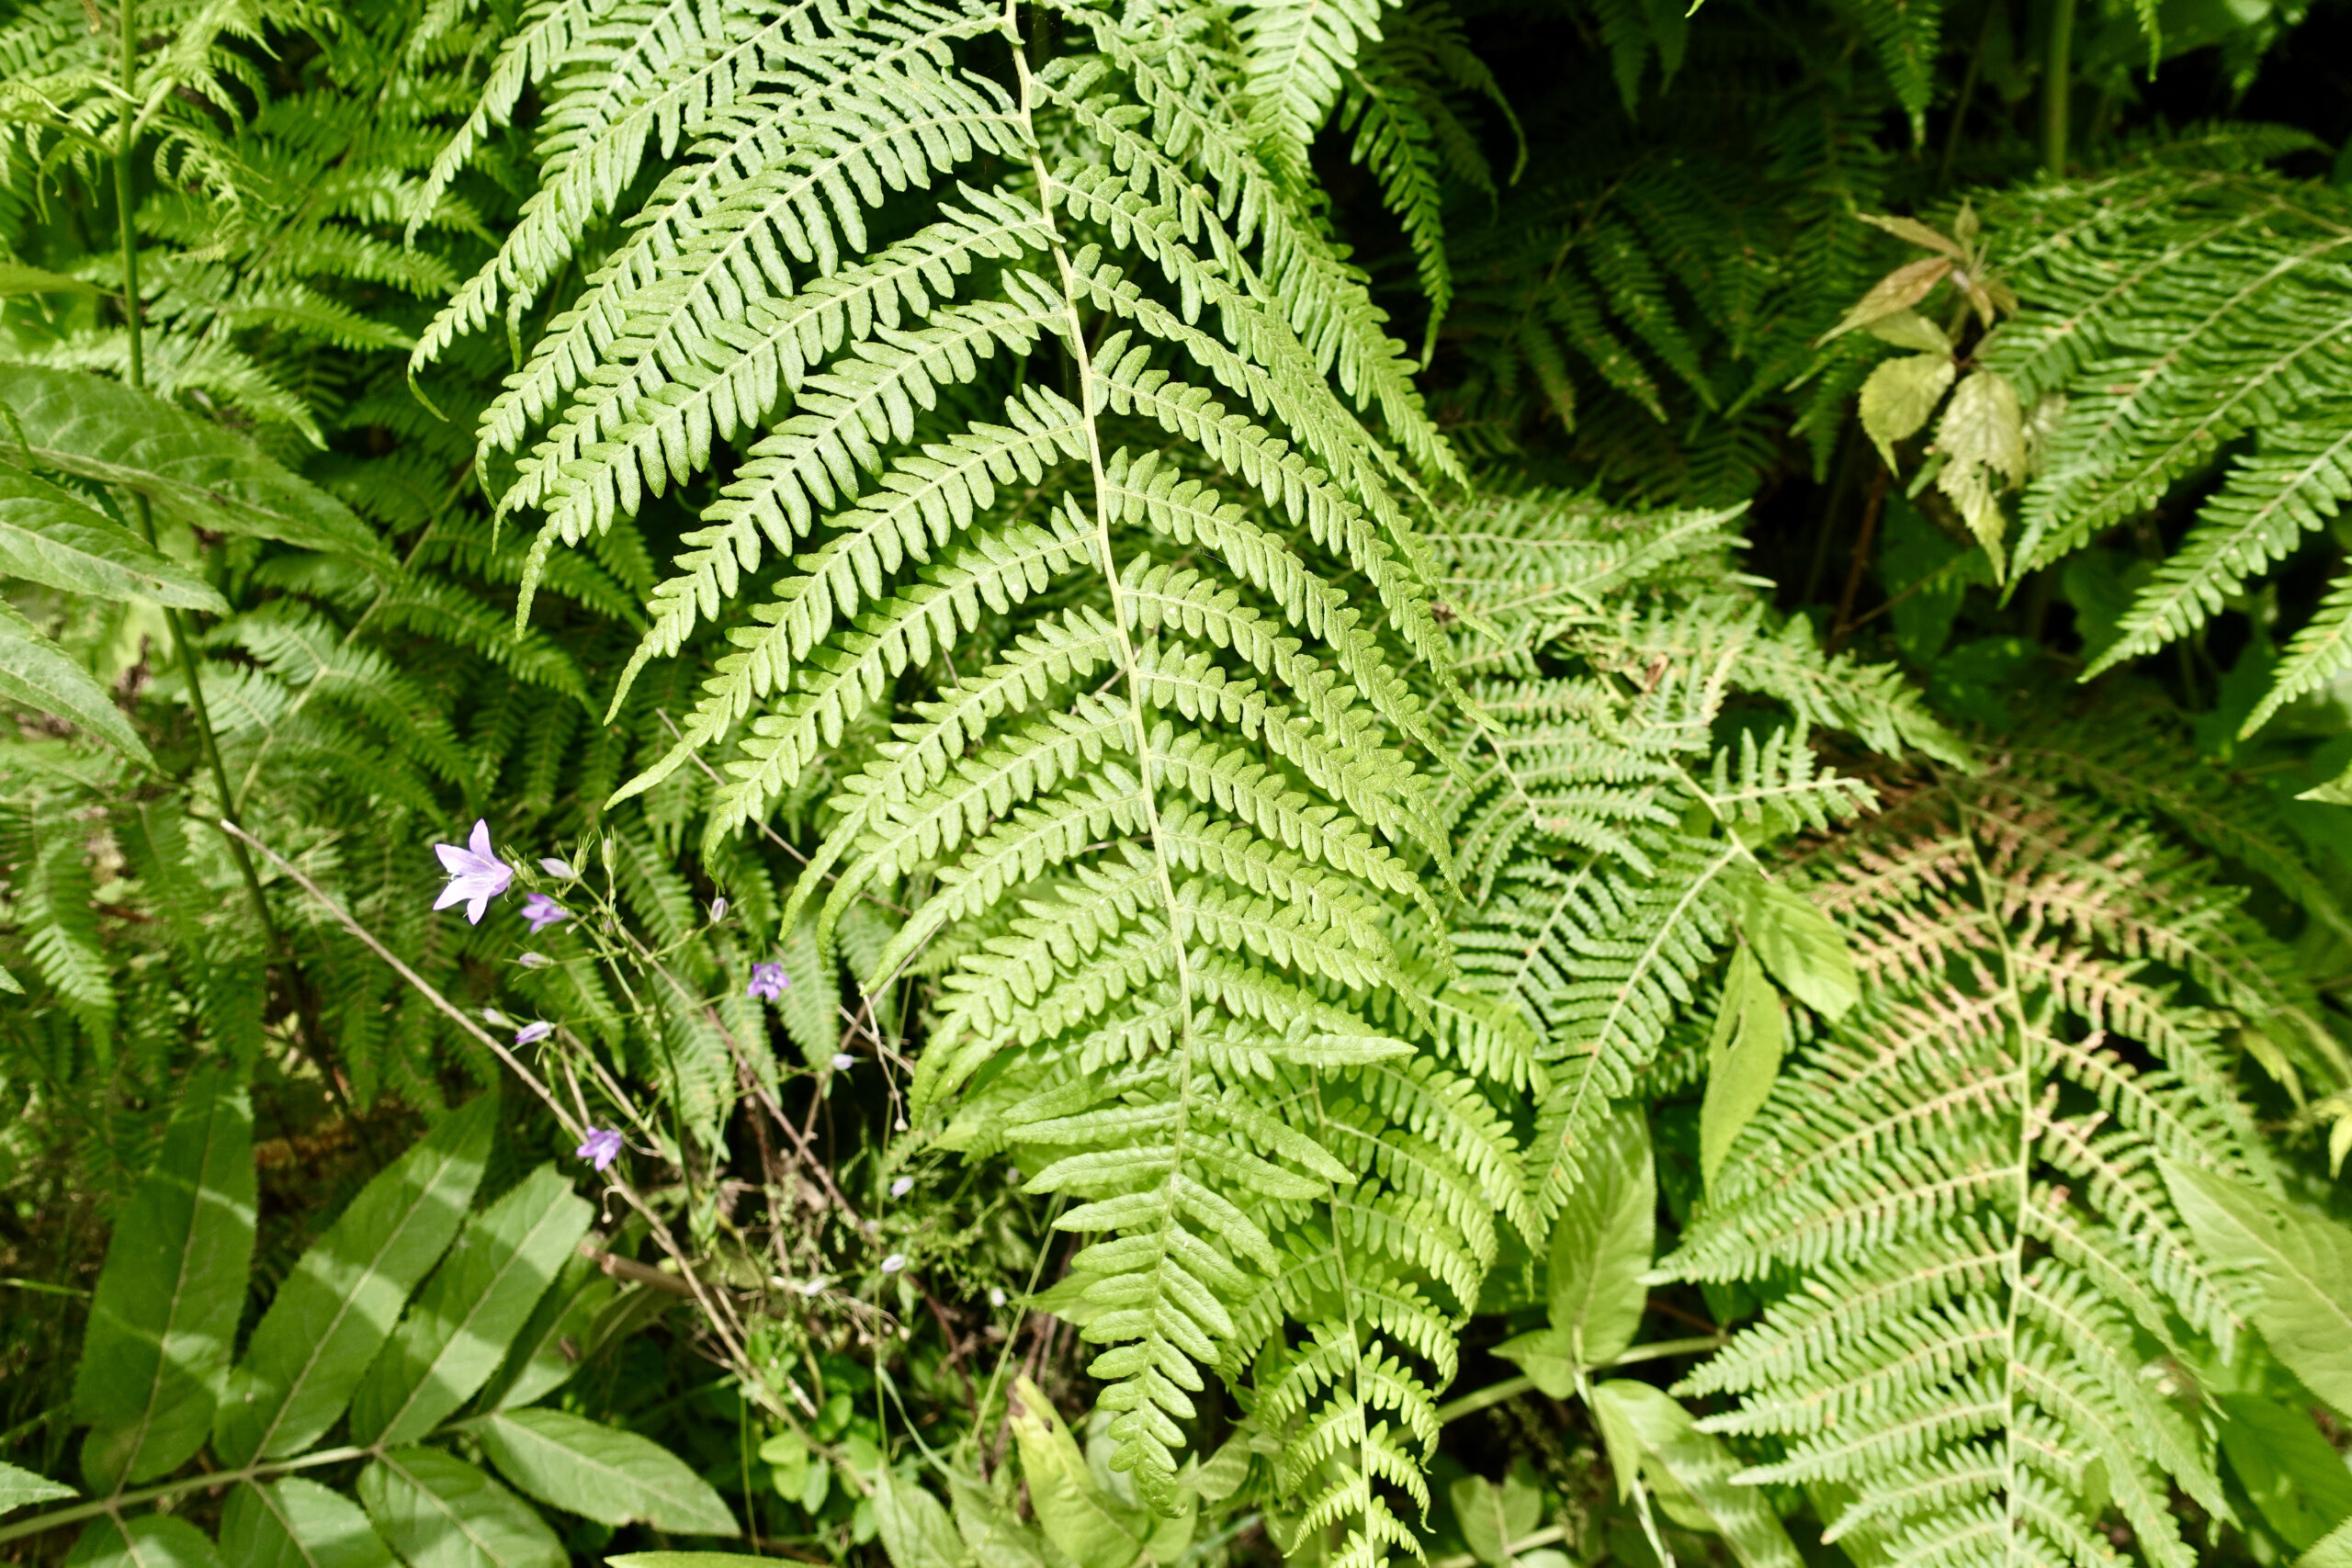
(476, 875)
(533, 1032)
(543, 911)
(602, 1146)
(768, 982)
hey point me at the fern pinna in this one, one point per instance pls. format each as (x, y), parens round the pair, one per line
(1960, 1178)
(1092, 470)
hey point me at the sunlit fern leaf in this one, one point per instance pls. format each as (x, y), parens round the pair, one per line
(1127, 559)
(1961, 1173)
(2178, 311)
(1295, 54)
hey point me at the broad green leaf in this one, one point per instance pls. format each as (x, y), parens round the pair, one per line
(915, 1527)
(1743, 1059)
(1800, 946)
(688, 1560)
(2294, 1477)
(335, 1309)
(151, 1540)
(615, 1478)
(456, 1332)
(2297, 1268)
(440, 1512)
(1900, 395)
(997, 1536)
(2334, 1550)
(187, 466)
(50, 535)
(563, 1333)
(1601, 1247)
(1688, 1472)
(18, 1488)
(37, 674)
(18, 278)
(1086, 1523)
(1493, 1516)
(166, 1304)
(296, 1523)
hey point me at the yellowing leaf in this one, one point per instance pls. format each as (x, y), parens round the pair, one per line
(1900, 395)
(1898, 290)
(1911, 228)
(1909, 329)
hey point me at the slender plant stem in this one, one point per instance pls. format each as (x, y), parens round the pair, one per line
(1992, 14)
(1544, 1537)
(1871, 507)
(719, 1321)
(1511, 1388)
(2057, 87)
(132, 324)
(120, 1500)
(314, 1044)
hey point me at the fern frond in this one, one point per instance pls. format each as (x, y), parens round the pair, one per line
(1962, 1175)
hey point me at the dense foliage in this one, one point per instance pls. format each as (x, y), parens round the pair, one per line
(1057, 784)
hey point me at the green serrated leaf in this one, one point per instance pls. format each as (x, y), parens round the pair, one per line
(613, 1477)
(166, 1304)
(19, 1487)
(440, 1512)
(52, 536)
(2296, 1267)
(191, 469)
(1800, 946)
(151, 1540)
(36, 673)
(334, 1312)
(1900, 395)
(295, 1523)
(1743, 1059)
(478, 1299)
(1493, 1518)
(561, 1334)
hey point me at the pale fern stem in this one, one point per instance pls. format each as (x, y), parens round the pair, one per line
(1355, 1337)
(2015, 1266)
(313, 1046)
(1147, 794)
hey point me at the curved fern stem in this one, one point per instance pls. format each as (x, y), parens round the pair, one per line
(315, 1044)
